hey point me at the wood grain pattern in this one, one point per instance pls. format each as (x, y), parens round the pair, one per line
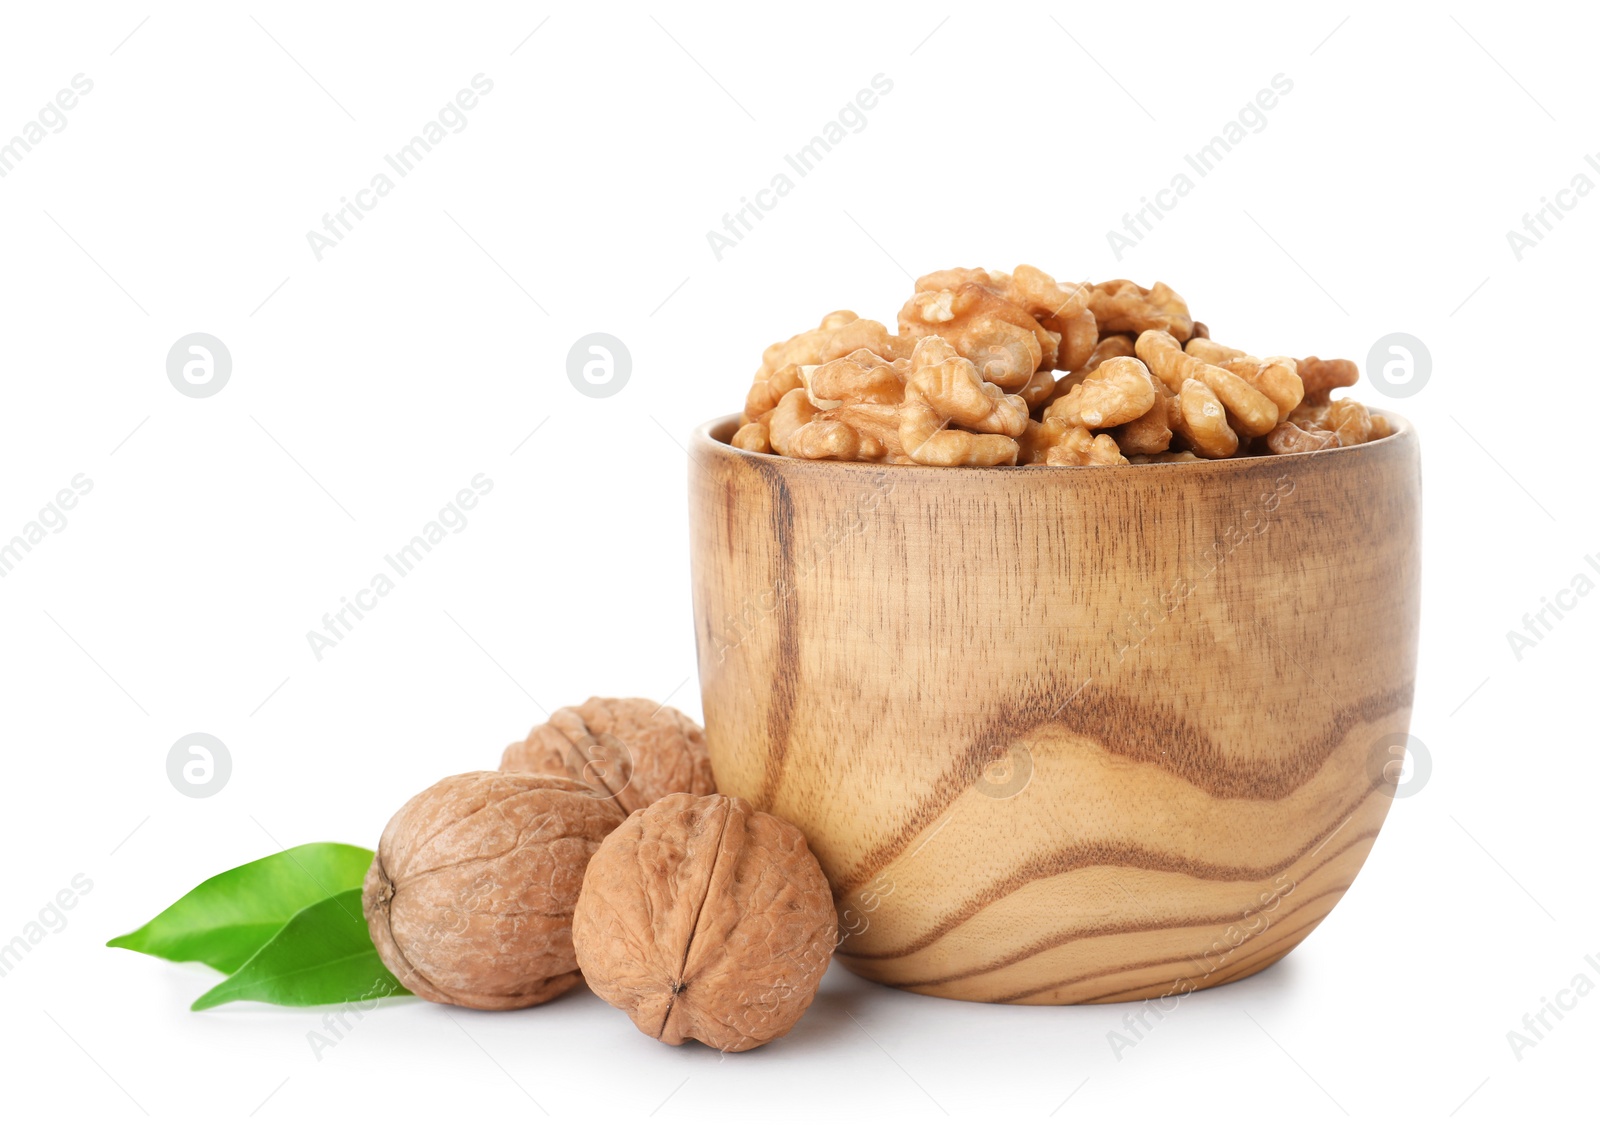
(1062, 734)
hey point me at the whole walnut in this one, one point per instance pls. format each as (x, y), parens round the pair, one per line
(469, 899)
(704, 918)
(632, 750)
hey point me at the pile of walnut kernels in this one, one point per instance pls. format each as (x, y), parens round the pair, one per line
(972, 378)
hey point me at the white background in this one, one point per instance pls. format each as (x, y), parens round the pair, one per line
(369, 387)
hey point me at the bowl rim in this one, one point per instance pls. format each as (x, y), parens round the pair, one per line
(704, 437)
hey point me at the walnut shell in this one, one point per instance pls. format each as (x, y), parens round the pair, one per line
(633, 750)
(470, 896)
(704, 918)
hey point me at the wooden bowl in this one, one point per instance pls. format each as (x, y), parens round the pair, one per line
(1063, 734)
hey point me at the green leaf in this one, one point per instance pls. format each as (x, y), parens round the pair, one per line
(225, 920)
(323, 954)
